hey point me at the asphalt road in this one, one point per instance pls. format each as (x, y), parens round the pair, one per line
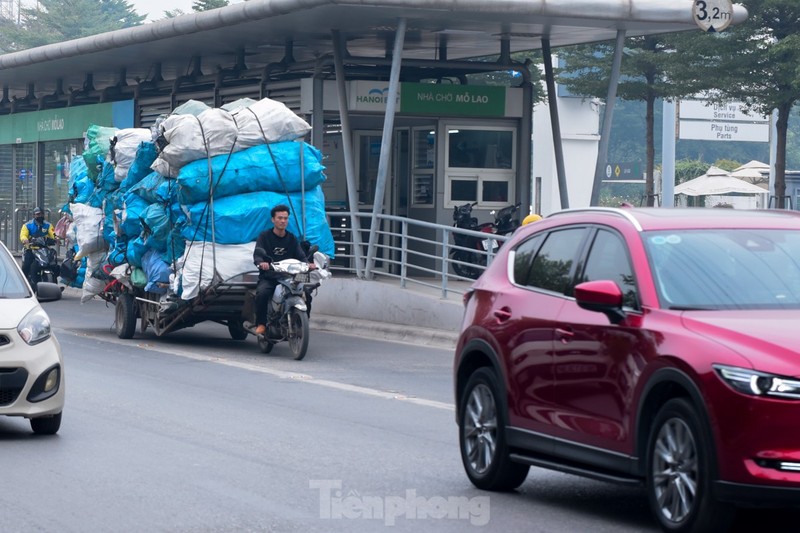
(195, 432)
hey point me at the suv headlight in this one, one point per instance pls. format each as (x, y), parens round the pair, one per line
(757, 383)
(35, 327)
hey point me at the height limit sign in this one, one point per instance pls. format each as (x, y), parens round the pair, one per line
(712, 15)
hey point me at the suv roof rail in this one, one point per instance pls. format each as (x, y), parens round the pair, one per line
(619, 211)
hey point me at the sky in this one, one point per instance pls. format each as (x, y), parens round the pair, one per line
(155, 8)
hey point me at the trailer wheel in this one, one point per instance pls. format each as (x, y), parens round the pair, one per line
(237, 331)
(126, 316)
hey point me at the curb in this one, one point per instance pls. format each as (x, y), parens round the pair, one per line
(384, 331)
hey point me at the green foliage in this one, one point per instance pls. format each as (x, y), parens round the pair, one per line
(61, 20)
(727, 164)
(688, 169)
(205, 5)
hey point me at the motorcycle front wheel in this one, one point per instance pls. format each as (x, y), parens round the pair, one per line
(298, 333)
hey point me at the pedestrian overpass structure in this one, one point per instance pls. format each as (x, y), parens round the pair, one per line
(389, 87)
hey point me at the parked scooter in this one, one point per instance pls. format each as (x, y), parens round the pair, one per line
(288, 314)
(506, 220)
(45, 261)
(470, 249)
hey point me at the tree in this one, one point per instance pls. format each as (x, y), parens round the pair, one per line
(646, 70)
(755, 63)
(55, 21)
(205, 5)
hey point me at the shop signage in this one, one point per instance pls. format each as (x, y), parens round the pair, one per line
(453, 100)
(64, 123)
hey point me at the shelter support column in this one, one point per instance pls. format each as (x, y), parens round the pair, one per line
(552, 99)
(386, 142)
(347, 146)
(608, 116)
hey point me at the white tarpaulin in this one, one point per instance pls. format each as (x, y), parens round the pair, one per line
(717, 182)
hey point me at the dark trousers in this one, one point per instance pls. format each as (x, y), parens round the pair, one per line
(27, 263)
(264, 291)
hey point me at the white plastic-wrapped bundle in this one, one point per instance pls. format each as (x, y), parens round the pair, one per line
(123, 147)
(231, 260)
(268, 121)
(188, 138)
(92, 286)
(88, 223)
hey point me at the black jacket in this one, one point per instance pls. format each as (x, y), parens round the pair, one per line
(277, 249)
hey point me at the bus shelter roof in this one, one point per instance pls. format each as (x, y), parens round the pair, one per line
(259, 30)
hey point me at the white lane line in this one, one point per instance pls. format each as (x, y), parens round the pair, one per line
(297, 376)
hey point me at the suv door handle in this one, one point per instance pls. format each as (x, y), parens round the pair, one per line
(502, 314)
(564, 335)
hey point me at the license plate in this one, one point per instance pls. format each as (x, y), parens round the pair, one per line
(486, 244)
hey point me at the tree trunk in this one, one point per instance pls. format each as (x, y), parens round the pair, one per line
(781, 127)
(651, 151)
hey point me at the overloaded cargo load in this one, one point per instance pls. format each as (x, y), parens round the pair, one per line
(149, 198)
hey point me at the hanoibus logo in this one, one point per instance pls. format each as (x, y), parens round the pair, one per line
(374, 96)
(335, 504)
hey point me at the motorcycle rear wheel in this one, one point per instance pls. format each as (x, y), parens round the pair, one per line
(465, 271)
(298, 333)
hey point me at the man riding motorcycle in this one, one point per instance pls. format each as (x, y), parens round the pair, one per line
(36, 227)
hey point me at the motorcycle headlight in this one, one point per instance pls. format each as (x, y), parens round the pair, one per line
(35, 327)
(757, 383)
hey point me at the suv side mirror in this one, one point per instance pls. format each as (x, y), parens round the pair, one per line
(603, 296)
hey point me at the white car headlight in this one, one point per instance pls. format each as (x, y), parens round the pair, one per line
(35, 327)
(757, 383)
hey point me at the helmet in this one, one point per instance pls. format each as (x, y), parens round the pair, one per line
(533, 217)
(37, 210)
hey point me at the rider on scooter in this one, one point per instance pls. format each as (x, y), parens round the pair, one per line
(279, 244)
(36, 227)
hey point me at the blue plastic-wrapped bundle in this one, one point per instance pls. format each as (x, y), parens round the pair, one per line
(105, 180)
(155, 188)
(131, 221)
(145, 155)
(157, 272)
(239, 219)
(98, 139)
(117, 255)
(135, 251)
(267, 167)
(77, 170)
(81, 189)
(156, 222)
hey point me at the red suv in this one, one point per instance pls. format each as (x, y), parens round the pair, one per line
(653, 347)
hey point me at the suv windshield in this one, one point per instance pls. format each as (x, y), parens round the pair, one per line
(726, 268)
(12, 284)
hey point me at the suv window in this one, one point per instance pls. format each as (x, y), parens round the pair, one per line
(523, 259)
(608, 259)
(550, 269)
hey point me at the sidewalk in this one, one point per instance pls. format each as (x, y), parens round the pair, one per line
(382, 309)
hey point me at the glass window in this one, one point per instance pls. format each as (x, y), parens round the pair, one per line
(726, 268)
(12, 284)
(489, 149)
(553, 264)
(494, 191)
(608, 260)
(464, 189)
(523, 259)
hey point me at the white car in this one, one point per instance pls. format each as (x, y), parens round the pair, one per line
(31, 366)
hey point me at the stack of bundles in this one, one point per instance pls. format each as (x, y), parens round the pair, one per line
(234, 163)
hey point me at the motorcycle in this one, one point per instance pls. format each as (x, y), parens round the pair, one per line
(472, 249)
(288, 312)
(45, 261)
(469, 248)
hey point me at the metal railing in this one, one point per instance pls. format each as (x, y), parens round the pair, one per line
(411, 251)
